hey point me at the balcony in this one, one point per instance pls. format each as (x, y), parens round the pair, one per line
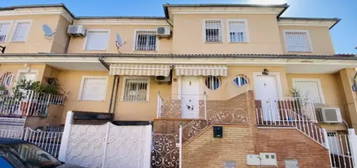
(30, 103)
(292, 112)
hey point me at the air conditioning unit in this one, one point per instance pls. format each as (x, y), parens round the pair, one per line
(163, 78)
(329, 115)
(76, 30)
(164, 31)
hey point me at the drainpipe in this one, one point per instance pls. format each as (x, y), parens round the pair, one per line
(114, 92)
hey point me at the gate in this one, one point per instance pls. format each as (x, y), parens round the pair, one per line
(340, 150)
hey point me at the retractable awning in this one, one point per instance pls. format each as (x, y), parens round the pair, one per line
(140, 69)
(201, 70)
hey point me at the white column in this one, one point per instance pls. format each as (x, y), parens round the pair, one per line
(148, 146)
(353, 144)
(65, 136)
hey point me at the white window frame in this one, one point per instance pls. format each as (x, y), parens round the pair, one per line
(101, 30)
(294, 80)
(26, 71)
(7, 38)
(135, 77)
(246, 33)
(204, 31)
(93, 77)
(134, 41)
(14, 28)
(300, 31)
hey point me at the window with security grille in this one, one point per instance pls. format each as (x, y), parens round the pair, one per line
(4, 28)
(213, 82)
(213, 30)
(237, 32)
(297, 41)
(21, 31)
(145, 41)
(136, 89)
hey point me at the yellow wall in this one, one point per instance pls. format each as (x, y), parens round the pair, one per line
(321, 42)
(127, 33)
(15, 68)
(141, 110)
(332, 91)
(36, 41)
(262, 29)
(70, 81)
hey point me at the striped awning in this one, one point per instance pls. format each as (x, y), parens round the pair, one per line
(140, 69)
(201, 70)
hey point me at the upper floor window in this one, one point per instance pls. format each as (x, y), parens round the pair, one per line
(4, 29)
(213, 31)
(21, 31)
(97, 39)
(237, 31)
(297, 41)
(145, 41)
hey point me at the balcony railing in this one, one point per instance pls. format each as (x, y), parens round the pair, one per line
(293, 112)
(182, 107)
(30, 103)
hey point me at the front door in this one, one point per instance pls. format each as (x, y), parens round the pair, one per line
(266, 90)
(190, 97)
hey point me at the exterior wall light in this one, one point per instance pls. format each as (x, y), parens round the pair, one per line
(265, 72)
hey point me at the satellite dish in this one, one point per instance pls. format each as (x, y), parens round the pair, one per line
(47, 30)
(119, 41)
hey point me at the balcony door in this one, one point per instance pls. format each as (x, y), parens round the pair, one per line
(267, 92)
(190, 88)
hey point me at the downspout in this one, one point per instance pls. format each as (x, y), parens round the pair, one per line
(113, 96)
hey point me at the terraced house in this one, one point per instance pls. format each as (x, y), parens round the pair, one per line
(236, 85)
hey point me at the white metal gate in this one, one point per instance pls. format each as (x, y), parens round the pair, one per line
(340, 148)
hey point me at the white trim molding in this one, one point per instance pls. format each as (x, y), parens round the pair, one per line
(301, 22)
(125, 78)
(308, 40)
(246, 31)
(93, 77)
(97, 30)
(222, 28)
(317, 80)
(38, 11)
(124, 21)
(16, 22)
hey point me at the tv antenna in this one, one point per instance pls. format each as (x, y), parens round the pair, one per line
(119, 41)
(47, 30)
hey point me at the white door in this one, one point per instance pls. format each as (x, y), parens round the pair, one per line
(190, 97)
(309, 89)
(266, 90)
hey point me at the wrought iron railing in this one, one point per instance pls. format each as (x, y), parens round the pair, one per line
(290, 112)
(29, 103)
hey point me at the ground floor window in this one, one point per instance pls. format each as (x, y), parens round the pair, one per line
(93, 88)
(136, 89)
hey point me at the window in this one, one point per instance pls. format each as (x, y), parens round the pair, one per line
(291, 163)
(21, 31)
(28, 76)
(4, 29)
(93, 88)
(240, 80)
(136, 89)
(297, 41)
(309, 88)
(97, 40)
(213, 82)
(213, 30)
(145, 41)
(237, 31)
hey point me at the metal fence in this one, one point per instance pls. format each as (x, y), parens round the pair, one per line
(49, 141)
(340, 150)
(30, 103)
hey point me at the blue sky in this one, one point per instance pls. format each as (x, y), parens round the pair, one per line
(344, 34)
